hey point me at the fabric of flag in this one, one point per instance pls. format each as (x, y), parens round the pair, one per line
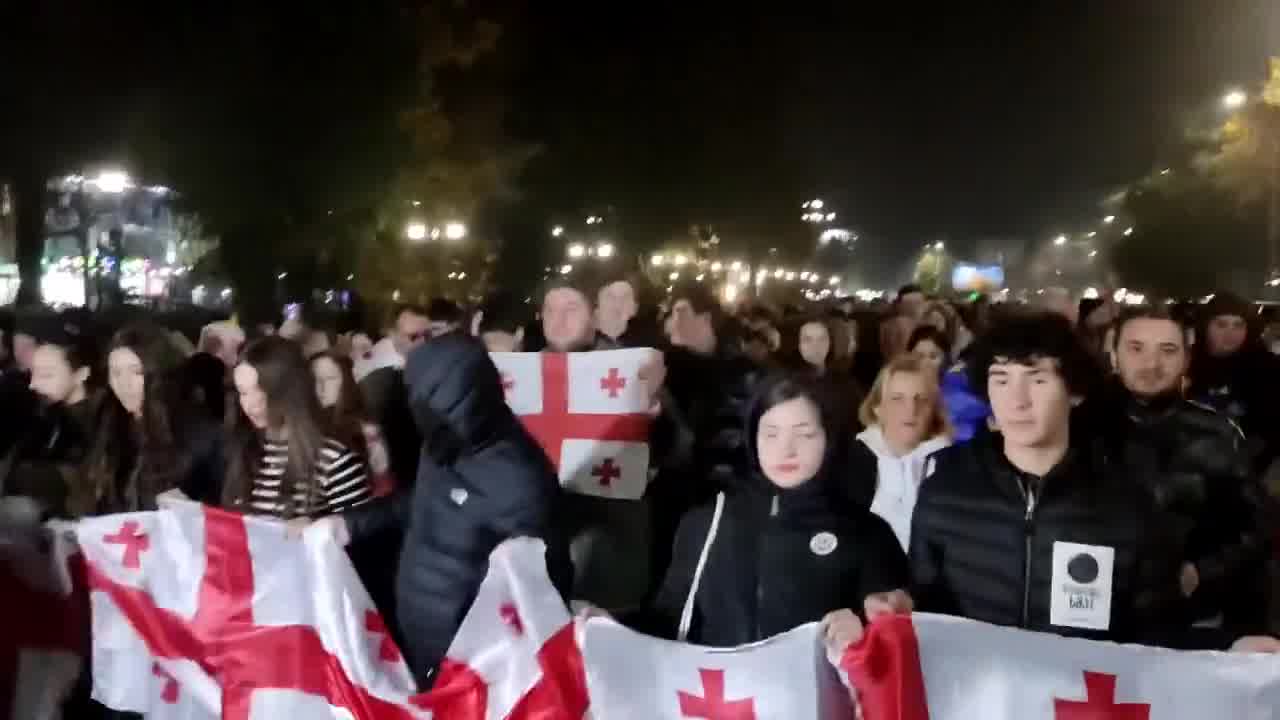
(515, 657)
(633, 676)
(44, 624)
(931, 667)
(589, 412)
(202, 613)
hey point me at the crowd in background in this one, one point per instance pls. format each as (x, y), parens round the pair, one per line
(825, 462)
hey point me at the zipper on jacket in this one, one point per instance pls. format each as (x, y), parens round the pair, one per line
(1028, 525)
(764, 537)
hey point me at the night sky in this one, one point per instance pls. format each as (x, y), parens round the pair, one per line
(969, 120)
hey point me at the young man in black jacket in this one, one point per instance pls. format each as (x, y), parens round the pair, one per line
(1192, 460)
(1030, 527)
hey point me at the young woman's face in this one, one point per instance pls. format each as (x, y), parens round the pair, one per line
(791, 442)
(930, 355)
(815, 344)
(253, 401)
(53, 378)
(328, 381)
(127, 379)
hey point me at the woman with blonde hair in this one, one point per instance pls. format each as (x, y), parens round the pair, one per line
(905, 423)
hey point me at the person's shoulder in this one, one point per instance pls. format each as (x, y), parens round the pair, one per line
(1205, 419)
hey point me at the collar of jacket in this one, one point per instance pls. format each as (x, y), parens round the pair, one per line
(1146, 411)
(1079, 465)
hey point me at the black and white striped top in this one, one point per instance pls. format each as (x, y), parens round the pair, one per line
(340, 476)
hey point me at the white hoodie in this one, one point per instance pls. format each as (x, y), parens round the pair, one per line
(898, 480)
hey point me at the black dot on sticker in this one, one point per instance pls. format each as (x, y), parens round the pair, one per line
(1083, 568)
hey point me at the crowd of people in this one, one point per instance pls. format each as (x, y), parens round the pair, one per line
(827, 464)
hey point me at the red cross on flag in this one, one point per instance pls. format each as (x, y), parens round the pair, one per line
(589, 412)
(43, 623)
(923, 667)
(202, 613)
(636, 677)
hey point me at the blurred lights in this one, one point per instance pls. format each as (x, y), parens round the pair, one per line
(779, 273)
(566, 269)
(604, 250)
(1092, 233)
(112, 181)
(736, 265)
(939, 246)
(1090, 293)
(577, 250)
(831, 216)
(791, 276)
(717, 266)
(1060, 240)
(416, 231)
(835, 280)
(730, 292)
(1235, 99)
(1093, 253)
(673, 276)
(557, 231)
(657, 260)
(681, 259)
(455, 231)
(1128, 231)
(1109, 219)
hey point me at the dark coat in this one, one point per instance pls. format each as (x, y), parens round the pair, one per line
(481, 480)
(780, 558)
(1193, 462)
(982, 546)
(46, 464)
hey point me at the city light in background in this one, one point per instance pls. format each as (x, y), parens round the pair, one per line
(1060, 240)
(416, 231)
(557, 231)
(1234, 99)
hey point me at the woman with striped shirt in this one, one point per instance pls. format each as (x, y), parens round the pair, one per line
(280, 463)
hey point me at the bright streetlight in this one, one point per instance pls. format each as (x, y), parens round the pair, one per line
(831, 216)
(680, 259)
(804, 275)
(1234, 99)
(779, 273)
(416, 231)
(657, 260)
(815, 204)
(566, 269)
(1093, 253)
(1128, 231)
(604, 250)
(455, 231)
(1060, 240)
(736, 265)
(112, 181)
(673, 276)
(939, 246)
(1109, 219)
(557, 231)
(1092, 233)
(577, 250)
(717, 266)
(835, 280)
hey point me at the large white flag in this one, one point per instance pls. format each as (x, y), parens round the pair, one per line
(589, 412)
(635, 677)
(932, 667)
(199, 613)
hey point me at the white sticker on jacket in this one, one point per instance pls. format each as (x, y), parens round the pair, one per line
(1080, 593)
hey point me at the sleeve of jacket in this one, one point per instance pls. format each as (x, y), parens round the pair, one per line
(381, 514)
(928, 588)
(1238, 500)
(1156, 613)
(885, 567)
(662, 617)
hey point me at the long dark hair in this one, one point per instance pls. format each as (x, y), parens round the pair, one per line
(344, 421)
(285, 378)
(130, 462)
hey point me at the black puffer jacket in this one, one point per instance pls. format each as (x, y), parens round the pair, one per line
(780, 558)
(1192, 461)
(481, 479)
(982, 548)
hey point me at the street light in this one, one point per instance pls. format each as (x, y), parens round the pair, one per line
(831, 216)
(816, 204)
(673, 276)
(557, 231)
(604, 250)
(657, 260)
(835, 280)
(1235, 99)
(1109, 219)
(1060, 240)
(577, 250)
(416, 231)
(735, 265)
(455, 231)
(1093, 253)
(717, 266)
(779, 273)
(1092, 233)
(939, 246)
(566, 269)
(112, 181)
(680, 260)
(1128, 231)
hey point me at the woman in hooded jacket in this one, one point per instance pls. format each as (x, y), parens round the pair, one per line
(905, 423)
(786, 548)
(481, 480)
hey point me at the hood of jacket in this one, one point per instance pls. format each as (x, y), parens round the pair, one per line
(456, 397)
(873, 438)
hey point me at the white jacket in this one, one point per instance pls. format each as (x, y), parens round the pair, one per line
(898, 480)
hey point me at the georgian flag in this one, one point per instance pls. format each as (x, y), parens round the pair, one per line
(589, 412)
(635, 677)
(43, 622)
(933, 667)
(200, 613)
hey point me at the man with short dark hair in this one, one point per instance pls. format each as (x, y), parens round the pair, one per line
(910, 301)
(444, 316)
(1192, 461)
(500, 323)
(568, 316)
(1030, 527)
